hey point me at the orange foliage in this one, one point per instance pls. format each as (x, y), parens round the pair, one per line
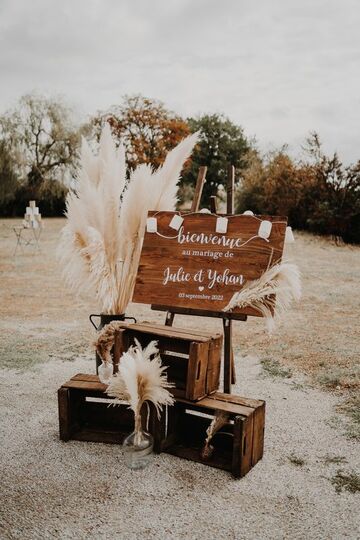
(148, 130)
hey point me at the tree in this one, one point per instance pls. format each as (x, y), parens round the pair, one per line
(274, 184)
(40, 130)
(146, 127)
(335, 194)
(8, 178)
(317, 193)
(222, 143)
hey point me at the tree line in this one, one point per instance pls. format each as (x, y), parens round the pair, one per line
(39, 159)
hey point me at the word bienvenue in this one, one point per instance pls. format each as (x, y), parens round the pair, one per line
(214, 277)
(202, 238)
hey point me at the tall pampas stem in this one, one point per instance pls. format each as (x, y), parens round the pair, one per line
(106, 215)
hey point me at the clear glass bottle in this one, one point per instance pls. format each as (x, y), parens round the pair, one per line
(105, 372)
(138, 449)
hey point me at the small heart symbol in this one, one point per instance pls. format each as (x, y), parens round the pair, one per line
(201, 288)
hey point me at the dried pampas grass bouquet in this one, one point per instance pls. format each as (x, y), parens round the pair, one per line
(141, 379)
(106, 215)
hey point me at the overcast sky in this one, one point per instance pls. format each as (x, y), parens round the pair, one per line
(280, 68)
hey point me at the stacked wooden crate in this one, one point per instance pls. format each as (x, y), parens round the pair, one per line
(193, 359)
(193, 363)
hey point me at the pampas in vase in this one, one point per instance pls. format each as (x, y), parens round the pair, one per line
(106, 215)
(141, 379)
(282, 280)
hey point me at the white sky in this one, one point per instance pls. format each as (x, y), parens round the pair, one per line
(279, 68)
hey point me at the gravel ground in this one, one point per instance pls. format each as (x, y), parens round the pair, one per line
(75, 490)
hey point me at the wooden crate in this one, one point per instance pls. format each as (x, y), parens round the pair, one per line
(193, 360)
(238, 446)
(83, 419)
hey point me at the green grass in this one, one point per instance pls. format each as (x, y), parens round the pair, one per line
(25, 352)
(349, 481)
(351, 408)
(334, 460)
(339, 377)
(274, 369)
(296, 460)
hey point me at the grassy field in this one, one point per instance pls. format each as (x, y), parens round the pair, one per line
(40, 316)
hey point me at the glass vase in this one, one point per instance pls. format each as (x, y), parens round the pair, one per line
(138, 449)
(105, 372)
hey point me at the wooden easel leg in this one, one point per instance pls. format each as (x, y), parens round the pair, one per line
(230, 210)
(227, 355)
(230, 189)
(201, 179)
(233, 371)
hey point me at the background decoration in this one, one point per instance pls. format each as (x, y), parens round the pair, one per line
(106, 215)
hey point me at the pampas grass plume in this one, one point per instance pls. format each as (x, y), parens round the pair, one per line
(282, 280)
(106, 214)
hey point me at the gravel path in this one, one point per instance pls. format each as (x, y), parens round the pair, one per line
(75, 490)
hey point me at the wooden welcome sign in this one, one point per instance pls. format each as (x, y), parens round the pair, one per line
(185, 262)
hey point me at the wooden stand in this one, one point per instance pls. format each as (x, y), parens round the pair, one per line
(227, 318)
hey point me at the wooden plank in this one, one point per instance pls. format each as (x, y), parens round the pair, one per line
(237, 446)
(85, 377)
(200, 332)
(202, 268)
(227, 355)
(242, 450)
(214, 365)
(86, 385)
(213, 405)
(233, 370)
(165, 331)
(230, 210)
(201, 179)
(230, 185)
(231, 398)
(64, 414)
(201, 312)
(259, 431)
(197, 370)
